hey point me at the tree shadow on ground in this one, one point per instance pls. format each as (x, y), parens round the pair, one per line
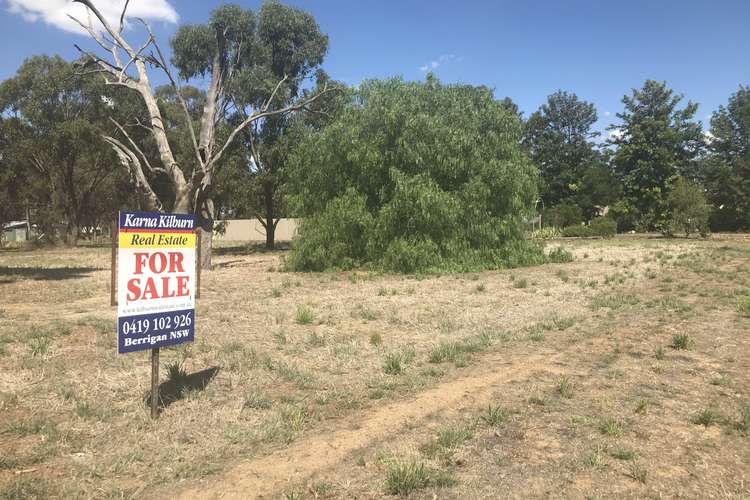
(178, 388)
(9, 274)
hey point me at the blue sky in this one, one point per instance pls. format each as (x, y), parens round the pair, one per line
(523, 49)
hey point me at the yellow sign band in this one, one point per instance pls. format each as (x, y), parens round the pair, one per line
(156, 240)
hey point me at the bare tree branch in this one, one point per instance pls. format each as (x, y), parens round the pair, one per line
(137, 149)
(122, 16)
(265, 113)
(130, 161)
(162, 63)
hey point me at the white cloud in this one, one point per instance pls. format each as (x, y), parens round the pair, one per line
(55, 12)
(615, 134)
(445, 58)
(607, 113)
(708, 136)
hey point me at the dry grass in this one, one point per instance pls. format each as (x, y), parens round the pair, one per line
(290, 358)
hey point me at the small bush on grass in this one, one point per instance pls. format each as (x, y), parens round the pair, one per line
(304, 315)
(560, 256)
(706, 417)
(406, 477)
(681, 341)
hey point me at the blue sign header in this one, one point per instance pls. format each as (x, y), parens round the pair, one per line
(156, 220)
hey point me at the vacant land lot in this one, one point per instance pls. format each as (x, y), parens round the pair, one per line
(621, 374)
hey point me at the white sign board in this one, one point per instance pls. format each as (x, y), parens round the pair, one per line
(156, 280)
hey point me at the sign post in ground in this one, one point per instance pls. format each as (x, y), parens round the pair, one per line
(156, 285)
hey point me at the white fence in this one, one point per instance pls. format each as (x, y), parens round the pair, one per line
(253, 230)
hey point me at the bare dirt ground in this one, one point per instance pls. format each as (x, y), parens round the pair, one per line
(621, 374)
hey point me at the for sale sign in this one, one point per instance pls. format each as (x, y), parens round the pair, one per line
(156, 281)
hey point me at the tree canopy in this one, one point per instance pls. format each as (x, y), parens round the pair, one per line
(656, 141)
(415, 176)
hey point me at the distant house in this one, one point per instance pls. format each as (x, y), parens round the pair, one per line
(17, 231)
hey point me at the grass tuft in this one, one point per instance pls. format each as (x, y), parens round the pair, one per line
(406, 477)
(495, 415)
(304, 316)
(565, 387)
(681, 341)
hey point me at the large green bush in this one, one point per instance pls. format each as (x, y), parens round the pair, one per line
(414, 177)
(599, 226)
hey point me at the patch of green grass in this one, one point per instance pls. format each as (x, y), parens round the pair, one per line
(276, 292)
(257, 401)
(279, 337)
(456, 351)
(743, 424)
(638, 472)
(744, 307)
(406, 477)
(396, 362)
(706, 417)
(622, 454)
(595, 459)
(34, 425)
(642, 405)
(495, 415)
(290, 373)
(681, 341)
(521, 283)
(316, 340)
(434, 372)
(376, 339)
(560, 255)
(321, 489)
(367, 315)
(659, 353)
(480, 288)
(442, 478)
(453, 436)
(614, 300)
(563, 275)
(565, 387)
(39, 345)
(611, 427)
(304, 315)
(26, 487)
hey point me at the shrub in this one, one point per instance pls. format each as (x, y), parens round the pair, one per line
(560, 256)
(599, 226)
(579, 231)
(689, 210)
(564, 214)
(414, 177)
(603, 226)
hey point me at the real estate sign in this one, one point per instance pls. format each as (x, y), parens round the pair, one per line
(156, 280)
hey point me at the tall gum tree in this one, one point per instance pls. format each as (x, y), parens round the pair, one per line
(280, 44)
(224, 53)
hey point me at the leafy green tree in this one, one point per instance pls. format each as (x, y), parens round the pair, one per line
(61, 117)
(726, 170)
(688, 209)
(560, 141)
(656, 141)
(414, 176)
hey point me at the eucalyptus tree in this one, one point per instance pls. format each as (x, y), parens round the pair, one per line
(57, 149)
(225, 53)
